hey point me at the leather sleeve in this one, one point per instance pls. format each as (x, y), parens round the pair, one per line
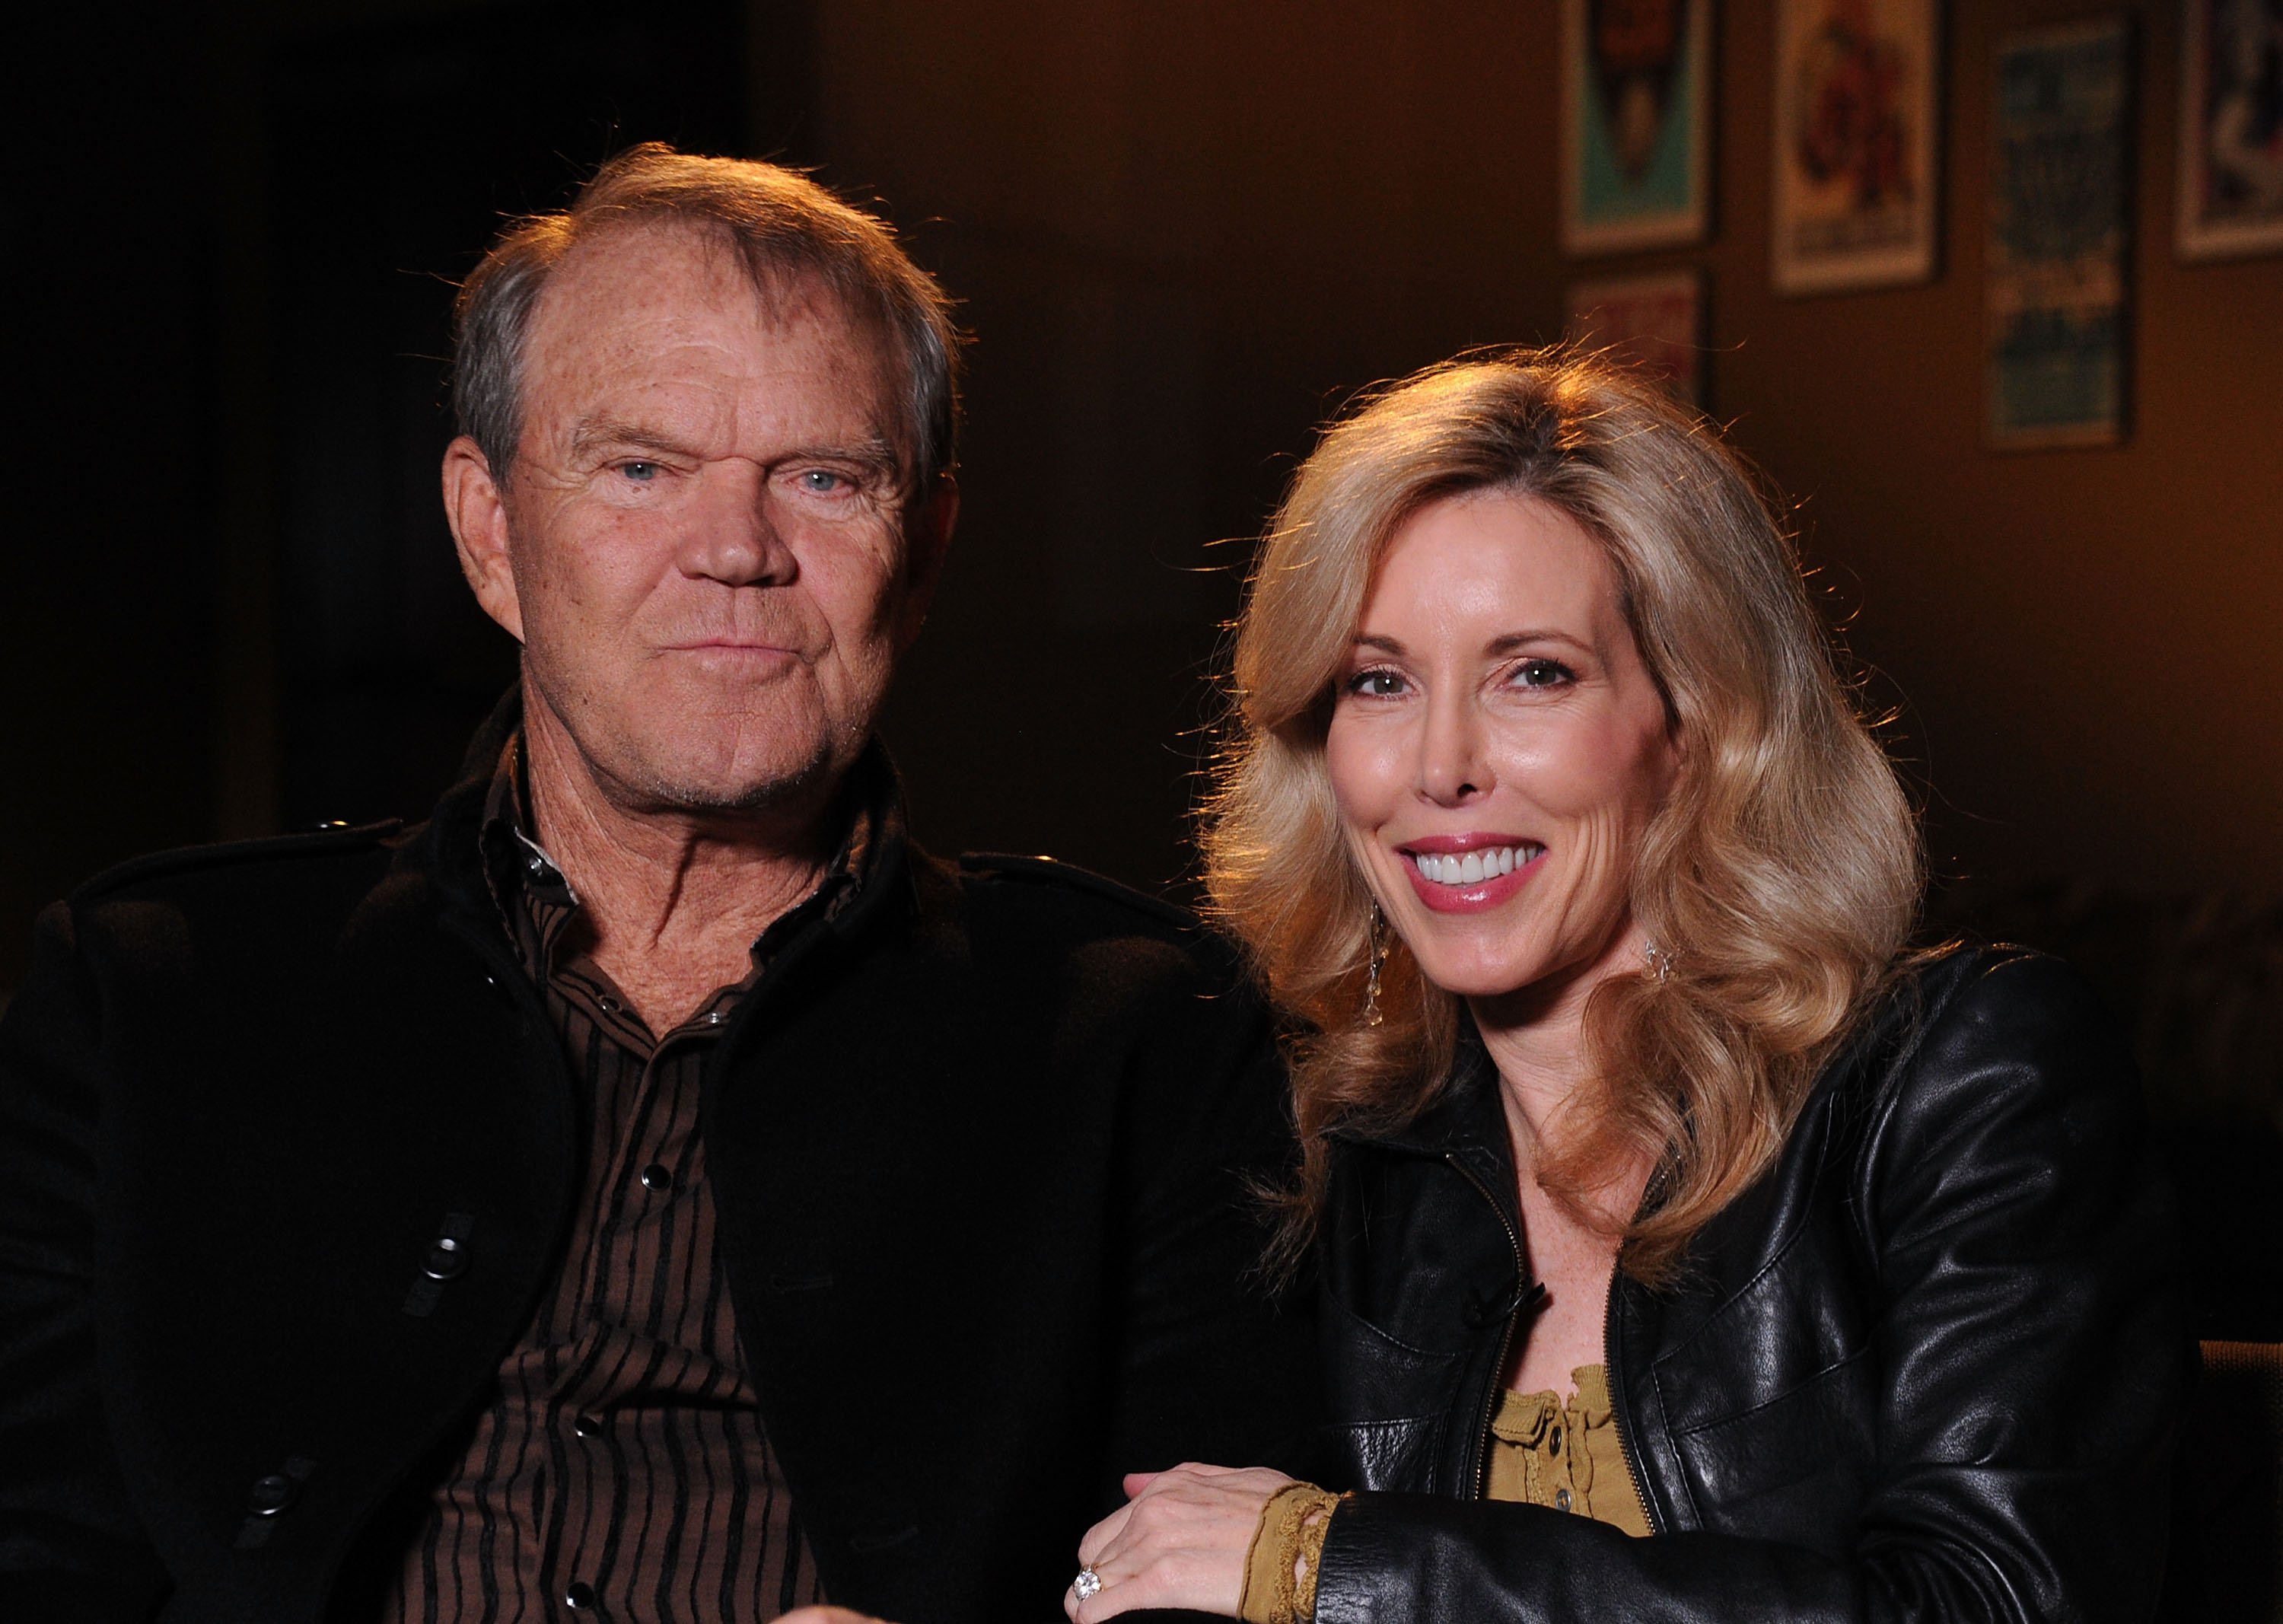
(71, 1548)
(2030, 1363)
(1215, 1363)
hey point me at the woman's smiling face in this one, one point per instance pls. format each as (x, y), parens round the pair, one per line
(1498, 746)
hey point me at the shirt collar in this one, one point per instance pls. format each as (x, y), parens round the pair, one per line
(519, 870)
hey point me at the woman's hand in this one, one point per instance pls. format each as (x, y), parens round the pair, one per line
(1179, 1542)
(827, 1615)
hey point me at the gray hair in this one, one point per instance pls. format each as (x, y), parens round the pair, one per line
(785, 225)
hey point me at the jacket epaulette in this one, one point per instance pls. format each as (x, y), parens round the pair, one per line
(1054, 872)
(183, 859)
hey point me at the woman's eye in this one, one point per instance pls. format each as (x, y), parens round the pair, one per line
(1375, 685)
(1543, 674)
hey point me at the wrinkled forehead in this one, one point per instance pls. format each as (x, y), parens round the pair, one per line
(631, 292)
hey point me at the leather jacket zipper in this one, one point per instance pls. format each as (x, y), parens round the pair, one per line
(1617, 1406)
(1479, 1458)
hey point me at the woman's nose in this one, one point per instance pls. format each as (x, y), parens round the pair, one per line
(1452, 767)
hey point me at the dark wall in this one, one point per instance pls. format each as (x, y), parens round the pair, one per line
(108, 546)
(1184, 230)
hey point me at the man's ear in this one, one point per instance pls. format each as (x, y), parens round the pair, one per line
(476, 508)
(927, 540)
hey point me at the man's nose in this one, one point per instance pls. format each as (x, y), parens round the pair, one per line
(1452, 767)
(734, 536)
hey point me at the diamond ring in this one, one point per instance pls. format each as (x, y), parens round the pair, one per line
(1087, 1583)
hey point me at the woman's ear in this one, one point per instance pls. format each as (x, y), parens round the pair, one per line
(476, 508)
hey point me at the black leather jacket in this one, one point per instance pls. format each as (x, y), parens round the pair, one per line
(1928, 1368)
(1002, 1111)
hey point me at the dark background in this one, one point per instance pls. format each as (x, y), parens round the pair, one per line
(1184, 232)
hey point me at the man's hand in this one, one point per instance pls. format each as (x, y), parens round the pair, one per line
(1180, 1541)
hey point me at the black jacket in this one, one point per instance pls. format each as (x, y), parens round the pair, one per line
(1928, 1368)
(976, 1144)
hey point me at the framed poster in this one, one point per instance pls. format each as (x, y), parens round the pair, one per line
(2060, 231)
(1636, 123)
(1857, 193)
(2231, 182)
(1654, 324)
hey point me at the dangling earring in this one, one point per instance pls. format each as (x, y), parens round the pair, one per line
(1371, 1015)
(1660, 961)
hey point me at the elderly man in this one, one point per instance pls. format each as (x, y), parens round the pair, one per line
(651, 1188)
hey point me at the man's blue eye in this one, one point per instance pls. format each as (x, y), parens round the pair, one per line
(822, 481)
(644, 471)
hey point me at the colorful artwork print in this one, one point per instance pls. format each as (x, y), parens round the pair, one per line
(2230, 182)
(1856, 193)
(2059, 237)
(1653, 323)
(1635, 123)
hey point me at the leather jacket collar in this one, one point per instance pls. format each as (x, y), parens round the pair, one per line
(1465, 1115)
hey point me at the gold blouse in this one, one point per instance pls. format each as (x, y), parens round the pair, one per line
(1564, 1456)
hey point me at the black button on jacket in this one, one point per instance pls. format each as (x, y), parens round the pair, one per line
(1926, 1369)
(977, 1145)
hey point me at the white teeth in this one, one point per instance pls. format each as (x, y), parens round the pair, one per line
(1474, 866)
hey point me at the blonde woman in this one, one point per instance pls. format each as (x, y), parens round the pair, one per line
(1688, 1249)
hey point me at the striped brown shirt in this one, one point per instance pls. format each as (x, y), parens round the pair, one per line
(619, 1469)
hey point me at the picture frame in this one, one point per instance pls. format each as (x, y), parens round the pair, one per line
(2055, 270)
(1636, 124)
(1855, 198)
(2229, 194)
(1654, 323)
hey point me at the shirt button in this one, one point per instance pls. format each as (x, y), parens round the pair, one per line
(580, 1597)
(608, 1003)
(1560, 1499)
(713, 1018)
(656, 1178)
(1554, 1442)
(588, 1427)
(272, 1494)
(447, 1260)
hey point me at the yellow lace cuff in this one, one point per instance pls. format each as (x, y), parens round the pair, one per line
(1288, 1545)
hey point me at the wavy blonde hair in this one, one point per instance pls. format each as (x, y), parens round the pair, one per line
(1782, 875)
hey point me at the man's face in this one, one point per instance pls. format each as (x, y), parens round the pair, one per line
(704, 536)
